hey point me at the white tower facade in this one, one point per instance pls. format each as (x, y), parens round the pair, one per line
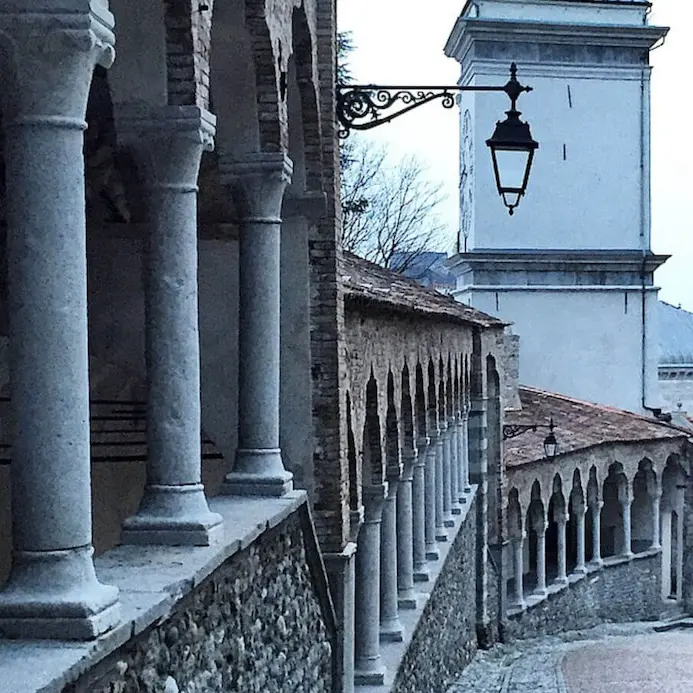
(572, 269)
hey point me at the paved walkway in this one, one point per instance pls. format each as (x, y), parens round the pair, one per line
(614, 658)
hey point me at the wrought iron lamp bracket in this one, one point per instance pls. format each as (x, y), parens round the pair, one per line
(514, 430)
(363, 107)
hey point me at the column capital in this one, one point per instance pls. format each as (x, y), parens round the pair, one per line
(409, 460)
(52, 53)
(373, 502)
(563, 519)
(257, 183)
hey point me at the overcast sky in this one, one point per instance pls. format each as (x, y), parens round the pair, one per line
(401, 42)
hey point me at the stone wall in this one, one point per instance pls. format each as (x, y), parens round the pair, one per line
(620, 592)
(256, 624)
(445, 640)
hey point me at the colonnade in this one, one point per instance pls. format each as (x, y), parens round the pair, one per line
(53, 590)
(405, 521)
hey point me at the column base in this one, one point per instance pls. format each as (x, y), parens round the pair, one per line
(598, 563)
(441, 534)
(391, 631)
(55, 595)
(627, 555)
(369, 673)
(173, 515)
(456, 509)
(432, 553)
(561, 581)
(406, 599)
(580, 570)
(258, 473)
(423, 574)
(540, 592)
(448, 522)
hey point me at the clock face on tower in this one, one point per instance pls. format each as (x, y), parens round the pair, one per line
(466, 178)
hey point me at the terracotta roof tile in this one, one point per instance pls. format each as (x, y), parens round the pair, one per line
(363, 280)
(579, 425)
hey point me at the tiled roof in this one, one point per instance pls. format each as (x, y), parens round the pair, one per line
(366, 281)
(579, 425)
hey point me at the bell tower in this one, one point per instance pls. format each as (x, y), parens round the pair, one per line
(572, 268)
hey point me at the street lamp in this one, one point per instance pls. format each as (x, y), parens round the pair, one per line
(512, 149)
(550, 442)
(363, 107)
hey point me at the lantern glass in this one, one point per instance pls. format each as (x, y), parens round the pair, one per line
(512, 168)
(550, 446)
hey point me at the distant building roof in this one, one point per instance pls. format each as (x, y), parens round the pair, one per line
(366, 281)
(675, 335)
(579, 425)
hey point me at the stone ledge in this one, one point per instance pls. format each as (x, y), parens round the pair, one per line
(392, 653)
(152, 580)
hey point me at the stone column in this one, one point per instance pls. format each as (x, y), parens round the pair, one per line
(680, 490)
(464, 454)
(168, 143)
(406, 599)
(541, 561)
(258, 185)
(562, 577)
(596, 511)
(432, 552)
(626, 551)
(446, 431)
(666, 521)
(518, 560)
(580, 512)
(390, 626)
(656, 500)
(368, 668)
(455, 471)
(441, 532)
(46, 66)
(421, 573)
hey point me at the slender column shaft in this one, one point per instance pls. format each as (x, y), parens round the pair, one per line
(596, 511)
(656, 499)
(390, 626)
(406, 598)
(666, 553)
(518, 560)
(562, 577)
(465, 452)
(447, 476)
(541, 562)
(421, 573)
(368, 667)
(432, 552)
(580, 524)
(52, 591)
(455, 485)
(679, 544)
(441, 533)
(627, 534)
(258, 185)
(168, 142)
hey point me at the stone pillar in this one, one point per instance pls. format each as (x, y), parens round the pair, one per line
(421, 573)
(390, 626)
(446, 432)
(464, 454)
(368, 668)
(680, 490)
(455, 471)
(626, 550)
(46, 66)
(168, 143)
(580, 511)
(519, 570)
(406, 599)
(666, 552)
(441, 533)
(596, 511)
(432, 552)
(656, 499)
(258, 185)
(562, 577)
(541, 561)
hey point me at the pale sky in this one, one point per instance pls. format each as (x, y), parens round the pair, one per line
(401, 42)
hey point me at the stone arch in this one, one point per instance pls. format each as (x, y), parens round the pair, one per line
(613, 527)
(516, 536)
(557, 511)
(432, 402)
(535, 522)
(593, 503)
(457, 388)
(372, 448)
(674, 482)
(393, 460)
(494, 450)
(420, 403)
(576, 516)
(466, 396)
(642, 510)
(442, 398)
(355, 470)
(407, 426)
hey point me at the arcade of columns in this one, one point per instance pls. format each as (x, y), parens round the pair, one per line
(48, 59)
(627, 516)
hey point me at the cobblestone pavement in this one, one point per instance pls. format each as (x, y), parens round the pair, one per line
(629, 658)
